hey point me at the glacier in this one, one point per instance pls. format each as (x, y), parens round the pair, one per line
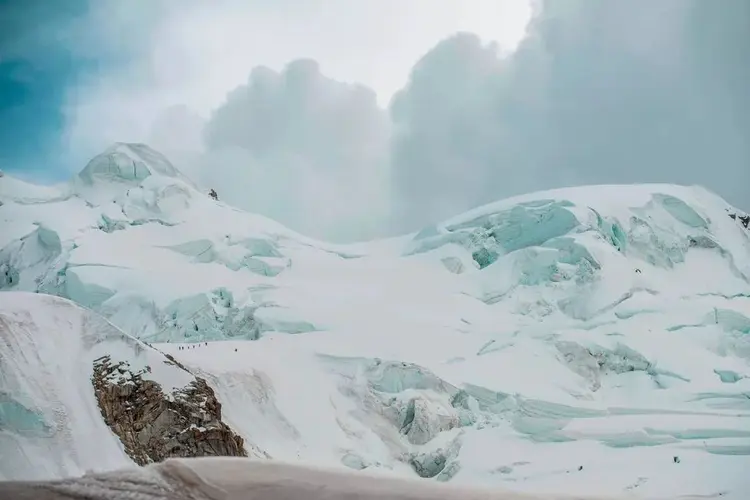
(590, 340)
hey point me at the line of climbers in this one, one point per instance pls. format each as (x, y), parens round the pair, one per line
(190, 346)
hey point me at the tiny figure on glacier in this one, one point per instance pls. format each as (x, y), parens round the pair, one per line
(212, 193)
(637, 270)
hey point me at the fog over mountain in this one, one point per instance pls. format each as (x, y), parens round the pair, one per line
(596, 92)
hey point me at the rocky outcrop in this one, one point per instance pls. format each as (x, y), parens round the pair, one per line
(153, 425)
(743, 218)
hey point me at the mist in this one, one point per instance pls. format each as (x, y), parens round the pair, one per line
(304, 149)
(361, 121)
(598, 92)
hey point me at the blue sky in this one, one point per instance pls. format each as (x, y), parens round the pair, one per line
(34, 76)
(31, 99)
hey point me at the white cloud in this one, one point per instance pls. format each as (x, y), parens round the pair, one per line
(193, 52)
(196, 53)
(304, 149)
(617, 91)
(600, 92)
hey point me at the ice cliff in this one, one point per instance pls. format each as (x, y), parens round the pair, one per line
(592, 339)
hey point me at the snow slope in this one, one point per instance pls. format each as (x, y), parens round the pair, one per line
(50, 424)
(574, 340)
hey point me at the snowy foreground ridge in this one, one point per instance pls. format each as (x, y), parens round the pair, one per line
(586, 341)
(241, 479)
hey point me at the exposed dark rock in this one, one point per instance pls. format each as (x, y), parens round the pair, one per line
(743, 218)
(154, 426)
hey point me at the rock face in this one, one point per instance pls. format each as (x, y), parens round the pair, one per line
(154, 426)
(743, 218)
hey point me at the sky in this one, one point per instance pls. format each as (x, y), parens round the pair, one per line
(348, 120)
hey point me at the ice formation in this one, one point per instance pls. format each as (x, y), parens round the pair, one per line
(574, 340)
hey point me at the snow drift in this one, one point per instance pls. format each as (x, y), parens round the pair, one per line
(586, 340)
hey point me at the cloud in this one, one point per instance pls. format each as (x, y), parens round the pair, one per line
(599, 92)
(164, 54)
(302, 148)
(448, 137)
(178, 133)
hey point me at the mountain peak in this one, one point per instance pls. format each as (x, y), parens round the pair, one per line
(129, 163)
(122, 168)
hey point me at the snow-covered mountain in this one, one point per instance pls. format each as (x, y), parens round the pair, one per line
(587, 340)
(68, 374)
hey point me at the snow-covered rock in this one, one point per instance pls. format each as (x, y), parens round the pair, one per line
(153, 425)
(78, 394)
(572, 340)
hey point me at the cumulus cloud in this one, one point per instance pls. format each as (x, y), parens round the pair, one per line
(599, 92)
(302, 148)
(154, 54)
(450, 133)
(178, 132)
(166, 54)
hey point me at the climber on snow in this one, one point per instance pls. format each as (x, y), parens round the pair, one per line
(212, 193)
